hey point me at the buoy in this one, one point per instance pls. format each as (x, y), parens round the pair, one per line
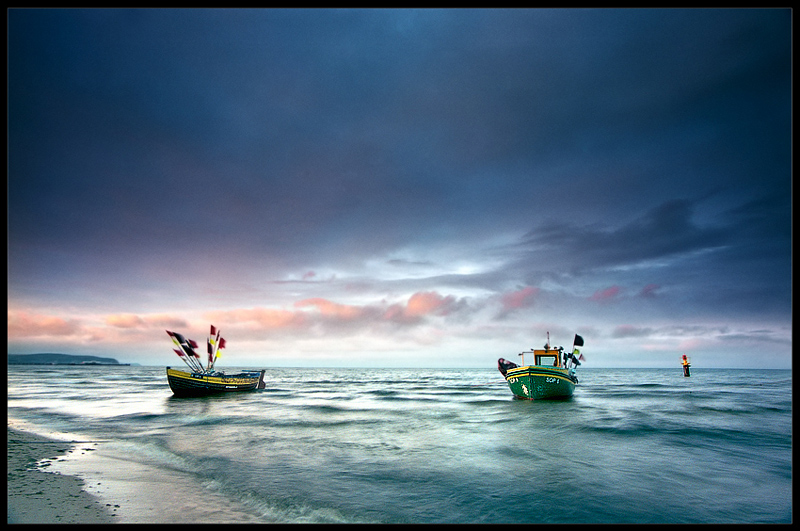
(686, 365)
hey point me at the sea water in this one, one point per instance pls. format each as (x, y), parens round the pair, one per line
(440, 446)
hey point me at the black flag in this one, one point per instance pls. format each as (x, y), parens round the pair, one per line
(578, 340)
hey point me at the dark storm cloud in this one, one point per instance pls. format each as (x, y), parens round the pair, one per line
(665, 231)
(289, 118)
(284, 131)
(646, 152)
(738, 264)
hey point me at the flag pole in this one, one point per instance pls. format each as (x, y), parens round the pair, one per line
(210, 348)
(220, 345)
(184, 347)
(190, 346)
(190, 356)
(182, 356)
(572, 352)
(193, 345)
(196, 366)
(213, 345)
(216, 344)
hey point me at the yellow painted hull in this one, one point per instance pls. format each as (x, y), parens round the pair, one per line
(185, 383)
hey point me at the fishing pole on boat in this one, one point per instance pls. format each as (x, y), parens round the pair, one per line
(193, 344)
(215, 343)
(220, 346)
(190, 345)
(219, 341)
(179, 351)
(187, 359)
(210, 347)
(191, 358)
(182, 356)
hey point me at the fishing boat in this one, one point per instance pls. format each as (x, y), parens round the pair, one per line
(552, 374)
(202, 381)
(185, 383)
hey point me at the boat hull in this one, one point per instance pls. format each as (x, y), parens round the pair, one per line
(185, 383)
(535, 382)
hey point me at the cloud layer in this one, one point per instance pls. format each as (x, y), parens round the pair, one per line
(439, 184)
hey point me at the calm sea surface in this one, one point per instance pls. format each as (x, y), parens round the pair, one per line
(454, 446)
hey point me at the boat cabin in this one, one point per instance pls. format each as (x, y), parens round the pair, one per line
(548, 358)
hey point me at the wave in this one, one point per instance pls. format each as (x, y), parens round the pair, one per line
(410, 446)
(283, 510)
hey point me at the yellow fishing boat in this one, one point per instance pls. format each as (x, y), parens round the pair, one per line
(200, 380)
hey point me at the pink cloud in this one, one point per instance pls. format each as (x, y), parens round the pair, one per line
(317, 315)
(606, 294)
(164, 320)
(332, 309)
(691, 344)
(518, 299)
(128, 320)
(23, 324)
(309, 275)
(125, 321)
(395, 312)
(649, 290)
(263, 317)
(429, 303)
(420, 305)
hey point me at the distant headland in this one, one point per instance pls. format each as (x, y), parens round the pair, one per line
(60, 359)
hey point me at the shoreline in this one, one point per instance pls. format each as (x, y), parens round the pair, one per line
(91, 483)
(36, 496)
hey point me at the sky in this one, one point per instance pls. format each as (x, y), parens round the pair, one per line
(401, 187)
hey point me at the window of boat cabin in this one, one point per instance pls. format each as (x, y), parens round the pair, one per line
(550, 360)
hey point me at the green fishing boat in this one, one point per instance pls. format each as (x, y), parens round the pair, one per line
(552, 374)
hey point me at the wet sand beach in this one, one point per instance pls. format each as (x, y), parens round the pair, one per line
(39, 497)
(90, 482)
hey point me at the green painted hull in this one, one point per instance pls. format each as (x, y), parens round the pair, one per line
(537, 382)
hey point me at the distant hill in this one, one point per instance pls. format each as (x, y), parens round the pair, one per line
(58, 359)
